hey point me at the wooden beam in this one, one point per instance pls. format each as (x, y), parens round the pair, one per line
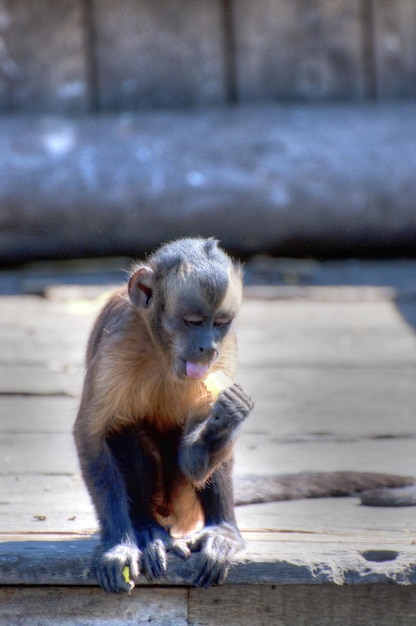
(292, 181)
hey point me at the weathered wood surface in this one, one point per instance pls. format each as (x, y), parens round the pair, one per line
(264, 606)
(334, 386)
(299, 50)
(334, 383)
(289, 180)
(43, 60)
(72, 56)
(303, 606)
(169, 54)
(81, 606)
(395, 48)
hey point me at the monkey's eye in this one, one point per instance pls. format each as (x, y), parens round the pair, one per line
(193, 320)
(221, 322)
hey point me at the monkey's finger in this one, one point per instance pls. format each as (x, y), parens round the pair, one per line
(196, 541)
(213, 574)
(181, 549)
(207, 575)
(103, 579)
(111, 579)
(154, 561)
(239, 396)
(221, 575)
(133, 565)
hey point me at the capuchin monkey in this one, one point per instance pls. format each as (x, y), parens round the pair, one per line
(155, 446)
(155, 441)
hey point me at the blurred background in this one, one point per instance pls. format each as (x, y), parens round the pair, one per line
(282, 127)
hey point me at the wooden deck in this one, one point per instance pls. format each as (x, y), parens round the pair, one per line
(332, 367)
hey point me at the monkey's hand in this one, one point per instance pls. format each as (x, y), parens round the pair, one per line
(215, 547)
(109, 563)
(205, 445)
(231, 408)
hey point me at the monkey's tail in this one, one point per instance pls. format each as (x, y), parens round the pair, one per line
(375, 489)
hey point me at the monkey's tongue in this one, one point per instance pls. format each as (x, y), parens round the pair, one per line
(196, 370)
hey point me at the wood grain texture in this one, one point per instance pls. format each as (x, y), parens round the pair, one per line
(43, 65)
(274, 557)
(303, 50)
(334, 380)
(302, 606)
(36, 607)
(395, 48)
(158, 54)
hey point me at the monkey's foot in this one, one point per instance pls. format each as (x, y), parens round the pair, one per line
(154, 542)
(110, 563)
(215, 547)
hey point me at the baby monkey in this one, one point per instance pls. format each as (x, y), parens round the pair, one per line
(155, 446)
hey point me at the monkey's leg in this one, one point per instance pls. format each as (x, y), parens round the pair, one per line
(216, 544)
(206, 444)
(141, 463)
(105, 483)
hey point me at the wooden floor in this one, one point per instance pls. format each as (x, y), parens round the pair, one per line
(332, 367)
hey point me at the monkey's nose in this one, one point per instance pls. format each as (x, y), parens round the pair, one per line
(208, 352)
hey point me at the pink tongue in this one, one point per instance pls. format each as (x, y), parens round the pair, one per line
(196, 370)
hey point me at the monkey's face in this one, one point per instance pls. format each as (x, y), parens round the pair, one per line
(194, 338)
(194, 322)
(190, 302)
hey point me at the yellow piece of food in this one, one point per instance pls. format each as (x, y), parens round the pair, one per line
(217, 382)
(126, 574)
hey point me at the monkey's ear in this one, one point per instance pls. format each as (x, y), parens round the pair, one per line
(141, 286)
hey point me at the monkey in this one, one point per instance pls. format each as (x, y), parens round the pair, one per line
(155, 448)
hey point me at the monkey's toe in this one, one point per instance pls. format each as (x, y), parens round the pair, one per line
(110, 563)
(154, 542)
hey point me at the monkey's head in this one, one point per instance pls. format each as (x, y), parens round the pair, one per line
(190, 292)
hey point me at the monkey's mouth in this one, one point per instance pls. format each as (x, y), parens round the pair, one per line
(196, 370)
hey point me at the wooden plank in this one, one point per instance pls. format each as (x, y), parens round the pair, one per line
(395, 48)
(257, 452)
(46, 503)
(35, 453)
(335, 403)
(55, 379)
(336, 334)
(321, 158)
(303, 606)
(37, 76)
(331, 516)
(37, 414)
(279, 558)
(262, 605)
(36, 607)
(262, 454)
(302, 49)
(59, 351)
(164, 54)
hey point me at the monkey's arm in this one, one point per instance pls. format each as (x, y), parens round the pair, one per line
(206, 444)
(205, 457)
(105, 484)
